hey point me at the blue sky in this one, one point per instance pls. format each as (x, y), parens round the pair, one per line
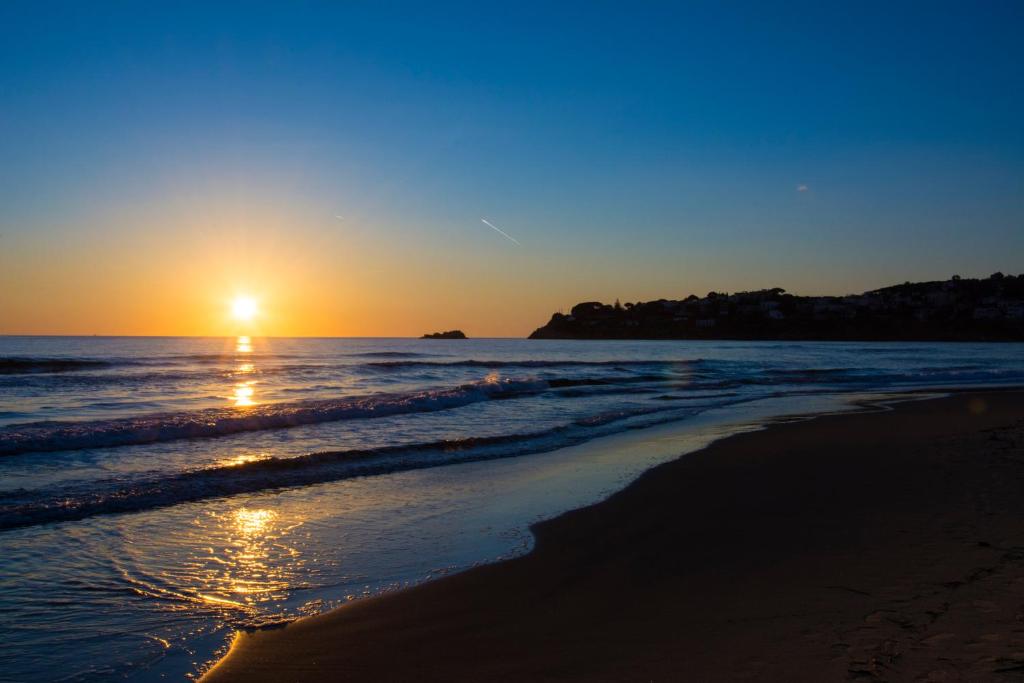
(637, 150)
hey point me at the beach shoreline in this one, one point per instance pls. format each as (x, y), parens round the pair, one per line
(880, 544)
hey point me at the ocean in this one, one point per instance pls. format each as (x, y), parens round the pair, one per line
(156, 494)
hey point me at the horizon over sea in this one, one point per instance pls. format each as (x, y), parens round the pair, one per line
(159, 493)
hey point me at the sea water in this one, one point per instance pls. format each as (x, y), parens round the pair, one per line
(156, 494)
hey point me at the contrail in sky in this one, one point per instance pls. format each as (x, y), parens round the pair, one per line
(499, 230)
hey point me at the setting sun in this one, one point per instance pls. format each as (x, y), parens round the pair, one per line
(244, 308)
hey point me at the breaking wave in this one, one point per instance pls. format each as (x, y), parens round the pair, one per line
(27, 508)
(62, 436)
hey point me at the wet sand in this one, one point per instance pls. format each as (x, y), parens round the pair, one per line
(883, 545)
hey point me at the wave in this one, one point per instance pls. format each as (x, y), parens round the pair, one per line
(215, 422)
(617, 380)
(62, 436)
(808, 372)
(26, 508)
(844, 379)
(676, 397)
(225, 359)
(20, 366)
(12, 365)
(86, 379)
(497, 364)
(35, 437)
(391, 354)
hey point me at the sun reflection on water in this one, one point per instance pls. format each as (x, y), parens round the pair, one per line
(249, 522)
(243, 394)
(248, 561)
(243, 459)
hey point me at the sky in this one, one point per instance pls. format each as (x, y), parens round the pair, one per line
(336, 161)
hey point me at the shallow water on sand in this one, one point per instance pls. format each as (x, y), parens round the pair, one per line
(257, 480)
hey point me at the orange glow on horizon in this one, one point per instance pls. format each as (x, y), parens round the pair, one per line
(261, 265)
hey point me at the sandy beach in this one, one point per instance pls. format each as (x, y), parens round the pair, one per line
(877, 545)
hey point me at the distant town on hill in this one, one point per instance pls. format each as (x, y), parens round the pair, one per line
(958, 309)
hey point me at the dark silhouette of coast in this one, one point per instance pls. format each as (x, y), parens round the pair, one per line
(990, 309)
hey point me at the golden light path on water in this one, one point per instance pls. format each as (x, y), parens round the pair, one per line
(238, 559)
(248, 560)
(243, 344)
(243, 392)
(242, 573)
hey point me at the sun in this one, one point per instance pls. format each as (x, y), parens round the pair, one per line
(244, 308)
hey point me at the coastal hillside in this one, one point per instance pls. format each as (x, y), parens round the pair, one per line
(958, 309)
